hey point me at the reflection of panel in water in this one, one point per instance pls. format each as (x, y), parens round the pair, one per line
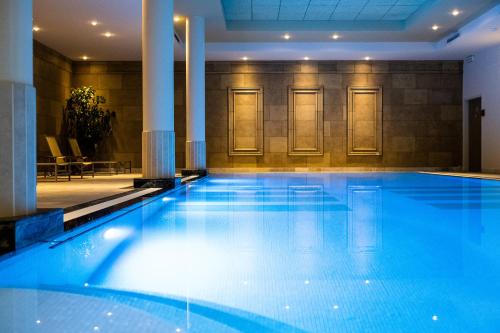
(305, 215)
(248, 218)
(365, 218)
(195, 213)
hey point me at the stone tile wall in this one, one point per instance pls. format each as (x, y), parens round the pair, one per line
(121, 84)
(52, 80)
(422, 108)
(422, 102)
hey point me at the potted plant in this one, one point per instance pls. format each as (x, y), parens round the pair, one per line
(85, 119)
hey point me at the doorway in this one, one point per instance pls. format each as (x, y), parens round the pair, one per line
(475, 115)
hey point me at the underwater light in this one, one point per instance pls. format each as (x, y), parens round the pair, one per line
(113, 233)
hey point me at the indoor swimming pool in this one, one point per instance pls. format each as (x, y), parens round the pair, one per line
(315, 252)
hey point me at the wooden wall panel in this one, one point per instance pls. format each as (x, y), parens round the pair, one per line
(246, 132)
(364, 121)
(305, 121)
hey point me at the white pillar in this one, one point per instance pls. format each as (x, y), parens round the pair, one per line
(195, 94)
(158, 137)
(17, 109)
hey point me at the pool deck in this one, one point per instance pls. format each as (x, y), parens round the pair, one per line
(65, 194)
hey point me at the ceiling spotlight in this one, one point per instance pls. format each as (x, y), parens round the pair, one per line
(306, 58)
(85, 58)
(368, 58)
(177, 18)
(108, 34)
(36, 28)
(287, 36)
(335, 36)
(455, 12)
(435, 27)
(244, 58)
(94, 23)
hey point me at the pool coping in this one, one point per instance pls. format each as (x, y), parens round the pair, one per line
(312, 169)
(116, 202)
(94, 210)
(488, 176)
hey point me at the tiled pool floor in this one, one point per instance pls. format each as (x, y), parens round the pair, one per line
(377, 252)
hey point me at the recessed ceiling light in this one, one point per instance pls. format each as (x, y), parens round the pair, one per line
(244, 58)
(455, 12)
(85, 57)
(287, 36)
(435, 27)
(36, 28)
(335, 36)
(108, 34)
(368, 58)
(177, 18)
(306, 58)
(94, 23)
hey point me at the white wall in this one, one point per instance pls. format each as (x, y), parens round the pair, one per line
(482, 79)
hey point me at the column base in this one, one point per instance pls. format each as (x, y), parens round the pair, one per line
(194, 172)
(158, 154)
(17, 149)
(195, 155)
(165, 183)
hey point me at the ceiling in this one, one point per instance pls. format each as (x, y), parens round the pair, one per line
(381, 29)
(379, 14)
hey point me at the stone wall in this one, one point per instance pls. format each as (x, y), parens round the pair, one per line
(421, 108)
(121, 84)
(52, 80)
(422, 115)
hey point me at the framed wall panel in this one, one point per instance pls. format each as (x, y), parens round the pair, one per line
(305, 121)
(246, 121)
(364, 129)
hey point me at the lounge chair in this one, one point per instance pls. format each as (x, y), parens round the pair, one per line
(55, 167)
(112, 165)
(59, 160)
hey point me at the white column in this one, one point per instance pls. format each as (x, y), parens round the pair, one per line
(17, 109)
(158, 137)
(195, 94)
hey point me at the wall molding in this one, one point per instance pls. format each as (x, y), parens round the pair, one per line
(364, 121)
(305, 125)
(246, 106)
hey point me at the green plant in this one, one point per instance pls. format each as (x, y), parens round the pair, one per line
(85, 119)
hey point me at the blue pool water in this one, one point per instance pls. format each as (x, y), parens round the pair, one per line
(379, 252)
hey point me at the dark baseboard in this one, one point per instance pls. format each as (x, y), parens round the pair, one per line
(165, 183)
(194, 172)
(21, 231)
